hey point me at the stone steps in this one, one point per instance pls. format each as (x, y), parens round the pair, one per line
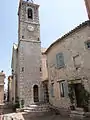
(38, 108)
(31, 112)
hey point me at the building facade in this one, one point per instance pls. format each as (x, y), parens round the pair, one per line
(44, 73)
(26, 61)
(12, 80)
(68, 64)
(2, 77)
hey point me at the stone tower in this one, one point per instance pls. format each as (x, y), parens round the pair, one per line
(29, 54)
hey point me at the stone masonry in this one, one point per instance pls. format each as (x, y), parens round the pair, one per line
(76, 52)
(28, 74)
(2, 77)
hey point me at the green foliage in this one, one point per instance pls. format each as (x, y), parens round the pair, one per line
(22, 103)
(84, 97)
(17, 102)
(71, 94)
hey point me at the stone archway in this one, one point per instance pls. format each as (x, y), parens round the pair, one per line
(35, 93)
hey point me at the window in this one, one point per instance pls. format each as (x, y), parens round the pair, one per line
(52, 89)
(60, 60)
(38, 39)
(22, 37)
(63, 85)
(46, 63)
(30, 13)
(40, 69)
(62, 89)
(22, 69)
(88, 44)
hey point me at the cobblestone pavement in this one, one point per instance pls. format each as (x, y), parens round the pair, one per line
(48, 117)
(56, 117)
(53, 117)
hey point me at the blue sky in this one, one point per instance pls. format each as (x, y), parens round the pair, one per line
(56, 19)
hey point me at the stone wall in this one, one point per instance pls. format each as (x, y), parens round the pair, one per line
(71, 46)
(30, 61)
(5, 109)
(2, 77)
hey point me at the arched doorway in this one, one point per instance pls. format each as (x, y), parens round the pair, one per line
(35, 93)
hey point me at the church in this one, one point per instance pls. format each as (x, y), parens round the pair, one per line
(26, 57)
(46, 75)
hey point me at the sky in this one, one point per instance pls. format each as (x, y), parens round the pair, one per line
(57, 17)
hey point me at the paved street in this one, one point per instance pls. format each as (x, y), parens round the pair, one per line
(53, 117)
(48, 117)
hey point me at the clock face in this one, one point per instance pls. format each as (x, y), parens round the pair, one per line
(30, 28)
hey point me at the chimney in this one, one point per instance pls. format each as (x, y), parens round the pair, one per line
(87, 2)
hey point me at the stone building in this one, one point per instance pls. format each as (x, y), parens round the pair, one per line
(40, 75)
(2, 77)
(26, 60)
(13, 79)
(44, 73)
(68, 64)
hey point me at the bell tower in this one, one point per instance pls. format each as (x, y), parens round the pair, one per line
(29, 28)
(29, 53)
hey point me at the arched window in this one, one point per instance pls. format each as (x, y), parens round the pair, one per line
(30, 13)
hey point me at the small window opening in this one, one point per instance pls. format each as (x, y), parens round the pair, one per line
(40, 69)
(22, 37)
(22, 69)
(52, 89)
(38, 39)
(30, 13)
(88, 44)
(62, 89)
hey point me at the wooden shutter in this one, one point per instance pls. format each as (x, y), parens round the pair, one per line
(61, 86)
(65, 83)
(52, 89)
(60, 60)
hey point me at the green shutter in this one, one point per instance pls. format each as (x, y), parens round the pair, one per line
(60, 60)
(52, 90)
(65, 88)
(61, 86)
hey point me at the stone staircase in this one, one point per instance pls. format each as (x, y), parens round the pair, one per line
(38, 108)
(32, 111)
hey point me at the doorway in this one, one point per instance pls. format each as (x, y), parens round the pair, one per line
(45, 92)
(76, 93)
(78, 88)
(35, 93)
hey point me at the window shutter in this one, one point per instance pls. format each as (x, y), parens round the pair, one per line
(61, 86)
(65, 88)
(52, 92)
(60, 60)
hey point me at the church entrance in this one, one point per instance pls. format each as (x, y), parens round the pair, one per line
(35, 93)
